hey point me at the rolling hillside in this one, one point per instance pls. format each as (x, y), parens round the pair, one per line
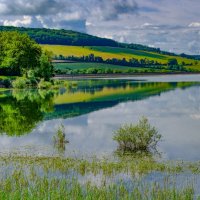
(69, 37)
(111, 52)
(71, 43)
(119, 53)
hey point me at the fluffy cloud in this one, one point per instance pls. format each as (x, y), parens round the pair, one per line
(194, 24)
(25, 21)
(159, 23)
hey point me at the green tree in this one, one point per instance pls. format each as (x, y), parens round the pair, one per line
(19, 52)
(172, 61)
(45, 69)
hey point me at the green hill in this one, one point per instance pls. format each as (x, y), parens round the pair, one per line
(68, 43)
(69, 37)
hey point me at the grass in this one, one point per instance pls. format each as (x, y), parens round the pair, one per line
(7, 77)
(114, 52)
(19, 187)
(62, 66)
(66, 67)
(30, 177)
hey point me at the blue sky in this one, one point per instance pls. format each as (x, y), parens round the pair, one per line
(168, 24)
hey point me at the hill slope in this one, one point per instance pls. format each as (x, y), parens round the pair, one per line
(69, 37)
(71, 43)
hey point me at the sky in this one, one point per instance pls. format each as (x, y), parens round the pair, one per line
(172, 25)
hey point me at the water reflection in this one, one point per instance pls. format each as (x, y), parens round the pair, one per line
(21, 110)
(91, 112)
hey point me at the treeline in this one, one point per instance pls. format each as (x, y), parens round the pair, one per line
(194, 57)
(61, 37)
(68, 37)
(133, 62)
(171, 64)
(93, 70)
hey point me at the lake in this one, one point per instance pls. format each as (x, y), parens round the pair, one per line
(91, 110)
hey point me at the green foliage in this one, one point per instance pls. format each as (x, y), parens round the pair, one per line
(21, 112)
(44, 84)
(46, 68)
(20, 55)
(20, 83)
(140, 137)
(172, 61)
(101, 68)
(19, 52)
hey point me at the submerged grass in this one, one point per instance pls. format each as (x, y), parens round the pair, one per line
(20, 187)
(29, 177)
(125, 164)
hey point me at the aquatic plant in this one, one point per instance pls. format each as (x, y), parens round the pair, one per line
(59, 139)
(139, 137)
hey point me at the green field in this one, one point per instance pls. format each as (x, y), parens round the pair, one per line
(64, 67)
(88, 65)
(119, 53)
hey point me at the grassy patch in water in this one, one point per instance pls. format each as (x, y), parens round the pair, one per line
(29, 177)
(21, 186)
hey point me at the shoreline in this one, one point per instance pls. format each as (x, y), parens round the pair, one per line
(99, 76)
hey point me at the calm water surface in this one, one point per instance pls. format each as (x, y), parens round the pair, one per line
(91, 110)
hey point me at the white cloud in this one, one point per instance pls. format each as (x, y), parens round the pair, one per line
(25, 21)
(194, 24)
(149, 22)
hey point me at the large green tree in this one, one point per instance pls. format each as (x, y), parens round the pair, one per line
(19, 52)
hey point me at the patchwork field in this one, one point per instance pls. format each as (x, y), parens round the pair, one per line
(119, 53)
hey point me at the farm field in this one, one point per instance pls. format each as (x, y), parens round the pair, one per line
(113, 52)
(66, 67)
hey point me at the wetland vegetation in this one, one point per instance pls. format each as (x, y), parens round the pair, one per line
(40, 163)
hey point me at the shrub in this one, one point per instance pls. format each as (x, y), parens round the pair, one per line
(20, 83)
(139, 137)
(44, 84)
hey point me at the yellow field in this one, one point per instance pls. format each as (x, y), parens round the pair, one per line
(119, 53)
(84, 51)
